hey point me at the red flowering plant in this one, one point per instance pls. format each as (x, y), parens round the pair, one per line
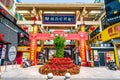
(59, 66)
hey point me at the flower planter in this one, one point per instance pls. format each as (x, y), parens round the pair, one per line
(59, 67)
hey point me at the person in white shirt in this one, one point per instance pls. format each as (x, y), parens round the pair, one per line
(79, 61)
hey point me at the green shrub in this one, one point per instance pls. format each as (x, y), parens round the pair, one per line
(59, 44)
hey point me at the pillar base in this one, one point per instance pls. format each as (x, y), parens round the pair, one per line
(83, 63)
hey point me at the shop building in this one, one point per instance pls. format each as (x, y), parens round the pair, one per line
(108, 41)
(10, 30)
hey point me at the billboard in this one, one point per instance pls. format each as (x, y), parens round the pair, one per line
(59, 18)
(112, 8)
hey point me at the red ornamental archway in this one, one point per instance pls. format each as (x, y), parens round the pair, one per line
(81, 36)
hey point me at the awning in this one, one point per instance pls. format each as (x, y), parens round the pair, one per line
(5, 42)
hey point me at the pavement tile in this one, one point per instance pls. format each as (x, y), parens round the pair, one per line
(86, 73)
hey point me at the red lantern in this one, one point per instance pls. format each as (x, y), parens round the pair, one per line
(25, 28)
(35, 19)
(92, 28)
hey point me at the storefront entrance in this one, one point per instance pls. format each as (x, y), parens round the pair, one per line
(102, 59)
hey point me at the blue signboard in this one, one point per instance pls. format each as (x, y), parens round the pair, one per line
(59, 18)
(112, 8)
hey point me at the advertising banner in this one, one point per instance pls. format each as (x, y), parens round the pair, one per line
(3, 51)
(12, 53)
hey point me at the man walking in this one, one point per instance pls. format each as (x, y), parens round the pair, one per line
(79, 61)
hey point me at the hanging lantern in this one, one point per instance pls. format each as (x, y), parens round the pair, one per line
(26, 28)
(92, 28)
(35, 19)
(21, 35)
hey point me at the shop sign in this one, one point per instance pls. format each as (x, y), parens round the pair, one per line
(62, 35)
(5, 13)
(12, 53)
(2, 11)
(7, 3)
(23, 48)
(59, 18)
(114, 30)
(82, 50)
(26, 49)
(111, 32)
(112, 12)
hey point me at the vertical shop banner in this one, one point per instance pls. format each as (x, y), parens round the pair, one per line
(83, 51)
(33, 50)
(3, 51)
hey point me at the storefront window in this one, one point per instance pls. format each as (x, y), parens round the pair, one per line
(110, 56)
(26, 55)
(96, 58)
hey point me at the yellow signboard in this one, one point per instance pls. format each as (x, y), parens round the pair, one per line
(26, 49)
(111, 32)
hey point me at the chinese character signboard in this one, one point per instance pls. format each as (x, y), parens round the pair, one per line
(59, 18)
(5, 13)
(111, 32)
(7, 3)
(112, 8)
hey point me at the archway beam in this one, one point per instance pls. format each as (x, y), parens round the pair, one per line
(47, 36)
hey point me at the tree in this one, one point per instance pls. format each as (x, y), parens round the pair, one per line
(59, 44)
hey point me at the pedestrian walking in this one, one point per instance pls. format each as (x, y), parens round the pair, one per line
(79, 61)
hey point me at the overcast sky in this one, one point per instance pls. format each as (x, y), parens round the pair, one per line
(59, 1)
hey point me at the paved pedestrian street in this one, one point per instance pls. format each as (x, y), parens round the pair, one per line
(31, 73)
